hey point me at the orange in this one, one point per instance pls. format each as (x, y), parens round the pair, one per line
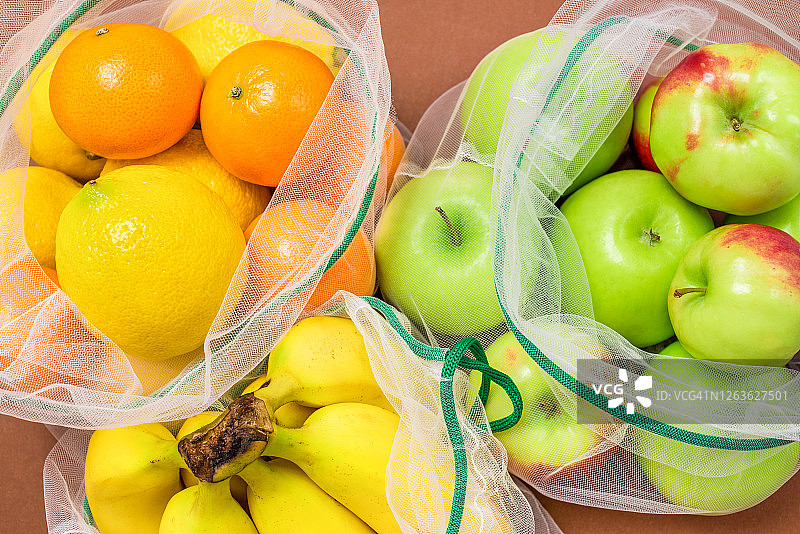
(125, 90)
(283, 238)
(257, 106)
(335, 151)
(42, 340)
(393, 150)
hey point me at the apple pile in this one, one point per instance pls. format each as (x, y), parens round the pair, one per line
(718, 139)
(724, 130)
(433, 244)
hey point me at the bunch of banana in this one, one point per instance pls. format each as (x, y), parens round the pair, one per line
(131, 474)
(285, 450)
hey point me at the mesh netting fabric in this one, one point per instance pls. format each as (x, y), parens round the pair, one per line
(681, 459)
(55, 372)
(421, 475)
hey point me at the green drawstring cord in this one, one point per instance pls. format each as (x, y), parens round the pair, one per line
(453, 359)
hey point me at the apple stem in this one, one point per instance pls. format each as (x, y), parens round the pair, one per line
(650, 237)
(678, 293)
(736, 124)
(455, 237)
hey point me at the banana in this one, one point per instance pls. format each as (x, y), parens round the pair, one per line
(291, 414)
(345, 448)
(206, 508)
(320, 361)
(192, 424)
(283, 499)
(131, 473)
(234, 439)
(414, 466)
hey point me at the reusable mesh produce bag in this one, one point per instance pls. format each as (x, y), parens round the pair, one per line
(52, 370)
(446, 473)
(705, 453)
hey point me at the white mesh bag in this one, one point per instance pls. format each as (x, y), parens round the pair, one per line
(447, 474)
(590, 443)
(53, 370)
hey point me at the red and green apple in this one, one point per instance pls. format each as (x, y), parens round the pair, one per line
(725, 128)
(735, 296)
(640, 133)
(547, 442)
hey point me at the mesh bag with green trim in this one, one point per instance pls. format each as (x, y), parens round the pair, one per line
(55, 367)
(614, 414)
(446, 472)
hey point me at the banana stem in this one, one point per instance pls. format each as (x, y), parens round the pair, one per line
(227, 445)
(216, 490)
(281, 439)
(253, 471)
(276, 392)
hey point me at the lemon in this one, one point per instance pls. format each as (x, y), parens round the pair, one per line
(12, 191)
(190, 155)
(47, 192)
(38, 131)
(212, 37)
(146, 254)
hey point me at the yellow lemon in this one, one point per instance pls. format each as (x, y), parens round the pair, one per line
(214, 36)
(147, 254)
(47, 192)
(37, 130)
(190, 155)
(12, 192)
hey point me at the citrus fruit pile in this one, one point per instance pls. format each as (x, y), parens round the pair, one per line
(157, 154)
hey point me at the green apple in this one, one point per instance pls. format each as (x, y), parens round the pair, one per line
(488, 90)
(725, 128)
(640, 133)
(690, 390)
(786, 218)
(547, 441)
(713, 481)
(682, 376)
(735, 296)
(433, 250)
(632, 229)
(709, 480)
(676, 350)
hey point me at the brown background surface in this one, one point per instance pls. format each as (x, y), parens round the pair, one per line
(431, 45)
